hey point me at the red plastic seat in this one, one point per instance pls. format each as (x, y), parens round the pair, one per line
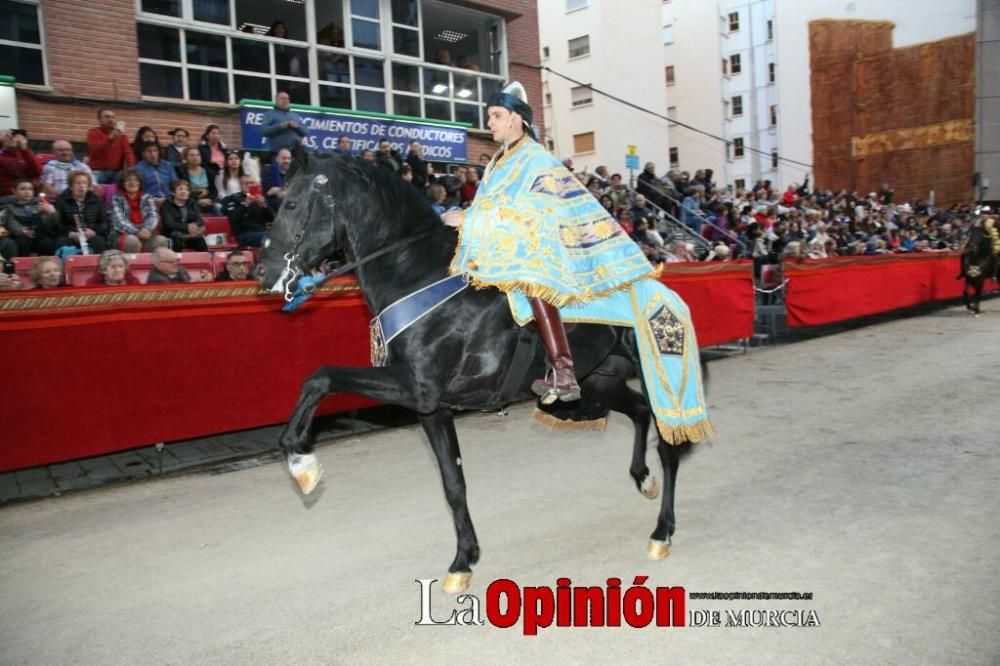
(215, 225)
(80, 268)
(21, 266)
(219, 261)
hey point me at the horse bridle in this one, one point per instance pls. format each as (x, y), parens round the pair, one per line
(291, 272)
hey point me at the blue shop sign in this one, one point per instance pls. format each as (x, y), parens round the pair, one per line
(441, 143)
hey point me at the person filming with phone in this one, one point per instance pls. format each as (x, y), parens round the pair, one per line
(249, 215)
(108, 148)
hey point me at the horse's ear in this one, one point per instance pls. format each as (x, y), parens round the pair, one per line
(300, 159)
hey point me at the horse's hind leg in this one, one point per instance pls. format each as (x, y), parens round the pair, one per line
(440, 429)
(393, 384)
(659, 540)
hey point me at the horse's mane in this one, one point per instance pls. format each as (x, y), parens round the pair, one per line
(389, 209)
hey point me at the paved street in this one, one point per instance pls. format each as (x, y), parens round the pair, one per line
(862, 467)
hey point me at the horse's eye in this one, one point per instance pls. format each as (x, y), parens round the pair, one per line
(290, 205)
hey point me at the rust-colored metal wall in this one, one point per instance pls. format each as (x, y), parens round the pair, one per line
(902, 116)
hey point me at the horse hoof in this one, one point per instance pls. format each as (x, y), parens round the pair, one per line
(650, 487)
(657, 550)
(456, 583)
(306, 470)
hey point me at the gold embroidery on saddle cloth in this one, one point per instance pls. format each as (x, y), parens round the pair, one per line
(668, 332)
(379, 353)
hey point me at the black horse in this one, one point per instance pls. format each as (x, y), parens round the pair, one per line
(458, 356)
(978, 264)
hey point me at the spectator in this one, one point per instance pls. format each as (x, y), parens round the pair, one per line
(274, 178)
(640, 208)
(134, 216)
(618, 191)
(10, 281)
(436, 193)
(343, 145)
(625, 221)
(388, 156)
(415, 158)
(175, 151)
(47, 273)
(237, 268)
(57, 170)
(25, 218)
(608, 204)
(182, 219)
(368, 156)
(453, 183)
(155, 173)
(202, 182)
(112, 270)
(166, 267)
(691, 215)
(484, 160)
(594, 186)
(649, 185)
(278, 29)
(80, 218)
(228, 181)
(146, 134)
(107, 148)
(281, 126)
(17, 162)
(470, 187)
(213, 150)
(249, 215)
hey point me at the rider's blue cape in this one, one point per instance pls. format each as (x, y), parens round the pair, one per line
(535, 229)
(668, 351)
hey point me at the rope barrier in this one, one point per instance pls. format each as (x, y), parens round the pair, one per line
(771, 291)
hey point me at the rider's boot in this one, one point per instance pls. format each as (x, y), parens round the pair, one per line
(560, 381)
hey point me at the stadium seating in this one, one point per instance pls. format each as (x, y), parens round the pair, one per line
(216, 225)
(21, 266)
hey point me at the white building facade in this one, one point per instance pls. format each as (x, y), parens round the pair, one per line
(615, 47)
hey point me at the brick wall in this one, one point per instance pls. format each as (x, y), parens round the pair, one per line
(861, 87)
(93, 56)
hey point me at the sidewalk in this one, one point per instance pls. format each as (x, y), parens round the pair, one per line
(217, 454)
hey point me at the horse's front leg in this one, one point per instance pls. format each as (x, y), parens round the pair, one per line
(393, 385)
(440, 429)
(659, 540)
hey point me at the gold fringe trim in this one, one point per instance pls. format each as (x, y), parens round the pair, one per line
(547, 419)
(679, 434)
(550, 295)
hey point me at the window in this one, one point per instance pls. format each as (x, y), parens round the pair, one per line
(770, 29)
(668, 34)
(774, 115)
(573, 5)
(741, 184)
(774, 158)
(545, 52)
(581, 96)
(672, 113)
(583, 143)
(548, 99)
(579, 47)
(670, 75)
(550, 145)
(674, 157)
(770, 72)
(737, 148)
(725, 67)
(21, 48)
(735, 67)
(734, 21)
(737, 105)
(408, 57)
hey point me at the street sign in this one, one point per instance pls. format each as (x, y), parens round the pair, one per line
(631, 149)
(631, 161)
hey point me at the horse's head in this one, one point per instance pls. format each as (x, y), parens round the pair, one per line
(306, 231)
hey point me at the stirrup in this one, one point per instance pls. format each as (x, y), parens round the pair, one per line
(549, 392)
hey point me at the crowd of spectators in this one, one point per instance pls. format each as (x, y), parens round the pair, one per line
(151, 196)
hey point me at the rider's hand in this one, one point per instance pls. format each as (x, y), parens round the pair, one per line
(454, 218)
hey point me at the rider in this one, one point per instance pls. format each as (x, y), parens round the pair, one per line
(989, 225)
(533, 228)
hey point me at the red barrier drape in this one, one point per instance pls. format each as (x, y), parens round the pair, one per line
(91, 371)
(824, 291)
